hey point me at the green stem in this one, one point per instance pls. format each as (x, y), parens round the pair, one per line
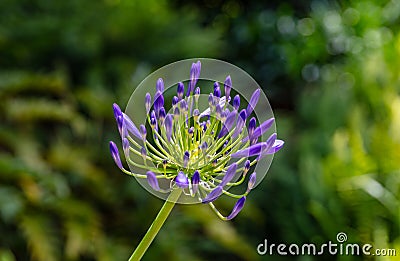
(156, 225)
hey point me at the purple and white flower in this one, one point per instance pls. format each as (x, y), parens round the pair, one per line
(201, 151)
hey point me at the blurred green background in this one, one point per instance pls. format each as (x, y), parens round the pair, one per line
(330, 69)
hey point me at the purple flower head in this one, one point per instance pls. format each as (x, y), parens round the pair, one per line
(240, 123)
(191, 131)
(223, 116)
(195, 181)
(246, 167)
(177, 112)
(204, 147)
(143, 152)
(152, 180)
(198, 149)
(217, 90)
(229, 122)
(153, 122)
(175, 100)
(196, 114)
(186, 157)
(115, 154)
(168, 126)
(253, 101)
(120, 123)
(181, 180)
(213, 195)
(161, 115)
(252, 126)
(253, 150)
(230, 173)
(252, 181)
(158, 102)
(271, 140)
(117, 111)
(197, 94)
(180, 90)
(260, 130)
(218, 111)
(147, 102)
(160, 85)
(125, 146)
(143, 131)
(237, 208)
(184, 106)
(236, 102)
(131, 127)
(194, 77)
(278, 144)
(210, 100)
(228, 86)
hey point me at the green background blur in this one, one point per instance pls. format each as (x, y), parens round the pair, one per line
(330, 69)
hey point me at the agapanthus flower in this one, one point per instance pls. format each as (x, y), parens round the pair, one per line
(201, 151)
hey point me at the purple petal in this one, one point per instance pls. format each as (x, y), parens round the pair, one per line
(217, 90)
(147, 102)
(236, 102)
(237, 208)
(228, 86)
(143, 152)
(120, 124)
(183, 105)
(161, 114)
(196, 113)
(131, 126)
(197, 91)
(246, 166)
(218, 110)
(117, 111)
(125, 146)
(181, 180)
(152, 180)
(143, 131)
(210, 99)
(158, 102)
(204, 147)
(160, 85)
(180, 90)
(260, 130)
(271, 140)
(195, 181)
(213, 195)
(252, 126)
(276, 147)
(253, 101)
(186, 157)
(115, 154)
(230, 173)
(240, 123)
(230, 120)
(175, 100)
(253, 150)
(252, 181)
(168, 126)
(194, 76)
(177, 112)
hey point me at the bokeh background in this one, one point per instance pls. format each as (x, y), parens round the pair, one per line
(331, 70)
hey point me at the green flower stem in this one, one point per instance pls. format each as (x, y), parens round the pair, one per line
(156, 225)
